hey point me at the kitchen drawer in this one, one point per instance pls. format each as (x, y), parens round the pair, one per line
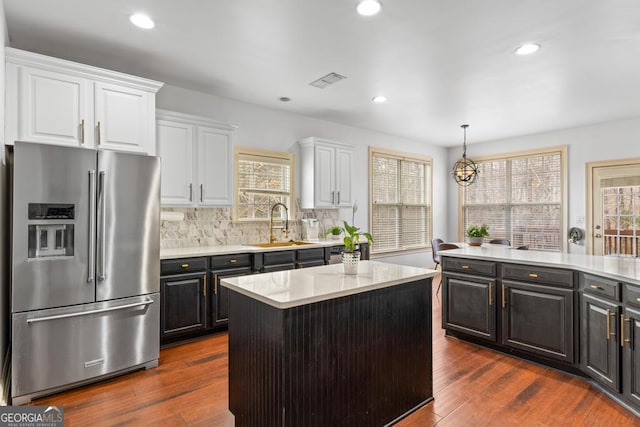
(313, 254)
(533, 274)
(631, 295)
(231, 261)
(485, 268)
(183, 265)
(278, 258)
(603, 287)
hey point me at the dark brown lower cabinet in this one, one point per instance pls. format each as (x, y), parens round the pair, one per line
(184, 305)
(220, 296)
(600, 346)
(469, 305)
(538, 319)
(630, 324)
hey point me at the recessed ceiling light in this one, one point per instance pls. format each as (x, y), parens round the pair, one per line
(527, 49)
(141, 20)
(368, 7)
(380, 99)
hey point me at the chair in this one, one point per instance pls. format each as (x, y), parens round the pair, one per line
(444, 247)
(434, 252)
(523, 248)
(500, 242)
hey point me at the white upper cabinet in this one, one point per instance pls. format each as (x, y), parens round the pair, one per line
(53, 101)
(197, 160)
(325, 172)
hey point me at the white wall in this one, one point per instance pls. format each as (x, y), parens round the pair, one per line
(599, 142)
(278, 130)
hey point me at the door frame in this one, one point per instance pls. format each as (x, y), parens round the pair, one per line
(590, 166)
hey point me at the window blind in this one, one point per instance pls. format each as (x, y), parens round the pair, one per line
(519, 198)
(261, 181)
(400, 201)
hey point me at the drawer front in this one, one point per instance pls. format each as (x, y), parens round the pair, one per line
(485, 268)
(231, 261)
(315, 254)
(183, 265)
(279, 257)
(603, 287)
(632, 295)
(533, 274)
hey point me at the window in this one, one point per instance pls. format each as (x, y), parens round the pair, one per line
(400, 212)
(521, 198)
(262, 178)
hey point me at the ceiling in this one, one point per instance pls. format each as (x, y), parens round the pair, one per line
(441, 63)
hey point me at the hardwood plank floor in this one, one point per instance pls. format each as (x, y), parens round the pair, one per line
(472, 386)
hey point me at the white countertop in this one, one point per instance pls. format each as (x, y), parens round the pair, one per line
(292, 288)
(625, 269)
(237, 249)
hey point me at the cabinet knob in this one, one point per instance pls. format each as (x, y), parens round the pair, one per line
(185, 265)
(233, 261)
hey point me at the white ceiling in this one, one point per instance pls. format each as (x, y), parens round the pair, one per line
(441, 63)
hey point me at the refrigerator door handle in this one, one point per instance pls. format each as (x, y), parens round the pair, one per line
(103, 228)
(92, 226)
(86, 313)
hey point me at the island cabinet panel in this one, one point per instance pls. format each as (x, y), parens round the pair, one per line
(469, 305)
(359, 360)
(538, 319)
(631, 356)
(600, 347)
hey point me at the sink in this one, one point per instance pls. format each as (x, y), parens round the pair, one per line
(279, 244)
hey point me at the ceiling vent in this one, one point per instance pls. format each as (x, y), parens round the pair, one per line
(327, 80)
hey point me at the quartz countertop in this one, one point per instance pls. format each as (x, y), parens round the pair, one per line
(292, 288)
(237, 249)
(625, 269)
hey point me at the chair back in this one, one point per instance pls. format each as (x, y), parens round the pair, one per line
(447, 246)
(500, 242)
(523, 247)
(434, 250)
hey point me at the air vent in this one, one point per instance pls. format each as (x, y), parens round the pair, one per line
(327, 80)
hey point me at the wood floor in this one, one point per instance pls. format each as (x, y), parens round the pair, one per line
(473, 387)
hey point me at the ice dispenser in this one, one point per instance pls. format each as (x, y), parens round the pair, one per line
(50, 230)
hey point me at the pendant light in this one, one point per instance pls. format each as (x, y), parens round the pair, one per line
(465, 171)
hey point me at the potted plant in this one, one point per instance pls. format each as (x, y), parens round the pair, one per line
(351, 254)
(334, 232)
(476, 234)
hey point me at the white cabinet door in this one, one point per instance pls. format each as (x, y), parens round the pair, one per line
(175, 147)
(324, 159)
(343, 177)
(54, 108)
(122, 118)
(215, 171)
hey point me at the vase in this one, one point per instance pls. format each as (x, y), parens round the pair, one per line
(475, 241)
(350, 261)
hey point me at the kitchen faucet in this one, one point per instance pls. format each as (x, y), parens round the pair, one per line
(285, 227)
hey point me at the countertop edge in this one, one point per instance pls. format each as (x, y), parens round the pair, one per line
(203, 251)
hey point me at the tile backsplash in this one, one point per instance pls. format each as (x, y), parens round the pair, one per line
(214, 226)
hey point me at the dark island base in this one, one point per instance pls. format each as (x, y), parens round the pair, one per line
(361, 360)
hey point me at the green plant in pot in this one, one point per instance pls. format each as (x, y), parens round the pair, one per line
(334, 231)
(476, 234)
(351, 254)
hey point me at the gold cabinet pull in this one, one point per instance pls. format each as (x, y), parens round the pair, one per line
(600, 288)
(490, 293)
(504, 296)
(99, 141)
(191, 192)
(638, 299)
(610, 332)
(233, 261)
(201, 192)
(185, 265)
(534, 275)
(466, 267)
(204, 285)
(82, 132)
(623, 340)
(215, 284)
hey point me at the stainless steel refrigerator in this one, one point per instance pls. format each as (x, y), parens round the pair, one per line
(85, 265)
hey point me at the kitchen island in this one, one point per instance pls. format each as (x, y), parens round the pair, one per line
(316, 347)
